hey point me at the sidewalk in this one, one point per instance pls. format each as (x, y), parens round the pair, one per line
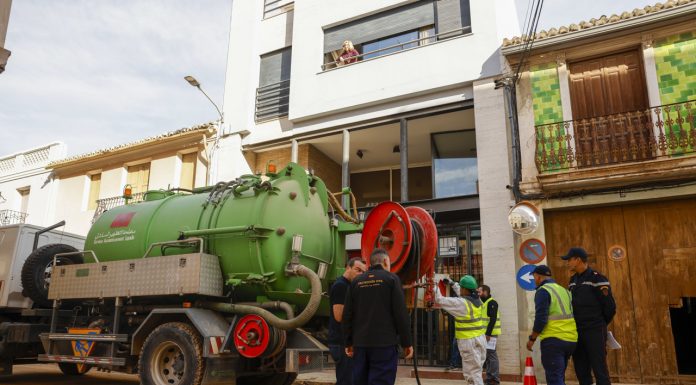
(403, 377)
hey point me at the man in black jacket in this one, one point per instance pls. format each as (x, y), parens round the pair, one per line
(593, 308)
(375, 321)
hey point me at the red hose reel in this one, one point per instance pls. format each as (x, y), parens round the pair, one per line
(409, 236)
(253, 337)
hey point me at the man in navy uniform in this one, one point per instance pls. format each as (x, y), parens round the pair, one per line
(594, 308)
(375, 322)
(337, 297)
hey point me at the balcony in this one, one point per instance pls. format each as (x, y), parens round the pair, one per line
(655, 144)
(106, 204)
(11, 217)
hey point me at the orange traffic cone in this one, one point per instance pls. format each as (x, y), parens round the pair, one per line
(529, 377)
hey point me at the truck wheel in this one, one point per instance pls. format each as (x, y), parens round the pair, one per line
(36, 272)
(72, 369)
(172, 355)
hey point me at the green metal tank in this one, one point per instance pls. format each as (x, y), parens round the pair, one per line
(248, 223)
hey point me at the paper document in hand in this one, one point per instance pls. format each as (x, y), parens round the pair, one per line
(612, 343)
(490, 345)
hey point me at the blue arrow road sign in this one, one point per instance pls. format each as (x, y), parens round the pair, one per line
(525, 278)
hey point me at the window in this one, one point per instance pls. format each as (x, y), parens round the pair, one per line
(276, 7)
(188, 170)
(455, 170)
(94, 186)
(273, 94)
(24, 199)
(391, 44)
(409, 23)
(139, 177)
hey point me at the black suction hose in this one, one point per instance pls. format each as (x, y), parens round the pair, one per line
(416, 249)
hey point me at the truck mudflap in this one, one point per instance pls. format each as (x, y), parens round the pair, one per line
(220, 371)
(304, 353)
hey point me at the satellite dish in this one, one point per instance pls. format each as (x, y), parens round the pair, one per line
(524, 218)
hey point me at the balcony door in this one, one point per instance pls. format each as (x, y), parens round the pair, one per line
(609, 102)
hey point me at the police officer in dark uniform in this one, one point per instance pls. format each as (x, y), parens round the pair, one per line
(375, 322)
(594, 308)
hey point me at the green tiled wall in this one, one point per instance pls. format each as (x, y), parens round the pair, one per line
(546, 102)
(546, 94)
(675, 59)
(675, 62)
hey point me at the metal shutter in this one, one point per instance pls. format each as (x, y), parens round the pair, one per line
(383, 24)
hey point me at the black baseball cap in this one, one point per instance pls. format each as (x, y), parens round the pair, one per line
(578, 252)
(542, 270)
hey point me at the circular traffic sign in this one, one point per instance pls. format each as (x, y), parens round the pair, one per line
(525, 278)
(532, 251)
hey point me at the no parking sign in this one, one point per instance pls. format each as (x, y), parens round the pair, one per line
(532, 251)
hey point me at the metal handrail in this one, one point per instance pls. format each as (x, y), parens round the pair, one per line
(357, 57)
(180, 241)
(55, 257)
(11, 217)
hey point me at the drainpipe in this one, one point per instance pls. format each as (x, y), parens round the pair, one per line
(508, 85)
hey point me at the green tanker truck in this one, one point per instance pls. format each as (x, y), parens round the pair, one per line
(218, 285)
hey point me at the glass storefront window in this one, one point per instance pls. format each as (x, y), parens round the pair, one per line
(455, 167)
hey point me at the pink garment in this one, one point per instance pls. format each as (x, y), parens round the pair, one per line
(350, 56)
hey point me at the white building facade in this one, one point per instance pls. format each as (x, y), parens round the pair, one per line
(413, 117)
(27, 189)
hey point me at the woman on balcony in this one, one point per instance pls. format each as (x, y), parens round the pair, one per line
(348, 54)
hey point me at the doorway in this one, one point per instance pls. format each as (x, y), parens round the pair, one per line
(684, 330)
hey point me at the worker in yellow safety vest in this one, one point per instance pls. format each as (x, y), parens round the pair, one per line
(491, 320)
(554, 325)
(469, 328)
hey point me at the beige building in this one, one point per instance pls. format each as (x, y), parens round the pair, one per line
(90, 183)
(5, 6)
(607, 129)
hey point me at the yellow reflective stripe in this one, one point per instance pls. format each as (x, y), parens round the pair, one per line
(560, 317)
(551, 289)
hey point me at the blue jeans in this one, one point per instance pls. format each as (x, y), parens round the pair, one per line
(554, 357)
(375, 366)
(344, 365)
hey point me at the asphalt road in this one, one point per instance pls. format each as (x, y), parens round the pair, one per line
(49, 374)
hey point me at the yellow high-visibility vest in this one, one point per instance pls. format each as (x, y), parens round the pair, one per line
(486, 320)
(471, 325)
(561, 323)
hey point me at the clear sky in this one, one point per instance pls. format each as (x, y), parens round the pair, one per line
(94, 74)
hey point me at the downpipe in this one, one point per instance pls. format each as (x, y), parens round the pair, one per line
(273, 320)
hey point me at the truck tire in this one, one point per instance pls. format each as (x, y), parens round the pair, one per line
(172, 355)
(72, 369)
(36, 272)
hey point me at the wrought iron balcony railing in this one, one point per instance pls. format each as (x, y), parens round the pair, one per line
(658, 132)
(11, 217)
(109, 203)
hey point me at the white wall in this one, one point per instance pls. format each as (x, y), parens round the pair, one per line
(499, 260)
(26, 169)
(342, 95)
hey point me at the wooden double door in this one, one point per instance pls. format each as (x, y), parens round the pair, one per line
(656, 272)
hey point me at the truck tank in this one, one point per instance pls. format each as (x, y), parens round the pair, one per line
(249, 223)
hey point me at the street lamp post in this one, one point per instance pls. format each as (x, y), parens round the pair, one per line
(192, 81)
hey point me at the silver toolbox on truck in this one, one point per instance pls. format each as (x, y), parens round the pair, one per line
(16, 242)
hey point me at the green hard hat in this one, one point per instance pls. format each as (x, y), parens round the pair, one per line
(468, 282)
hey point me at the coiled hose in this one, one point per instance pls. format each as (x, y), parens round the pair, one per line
(272, 319)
